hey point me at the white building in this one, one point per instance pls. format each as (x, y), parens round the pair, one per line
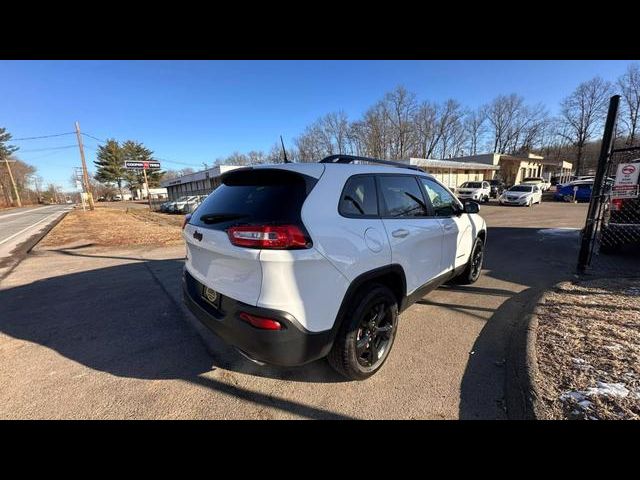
(452, 173)
(197, 183)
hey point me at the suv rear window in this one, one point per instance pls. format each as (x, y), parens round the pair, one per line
(261, 196)
(359, 197)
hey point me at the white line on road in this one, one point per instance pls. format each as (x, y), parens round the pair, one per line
(30, 226)
(25, 211)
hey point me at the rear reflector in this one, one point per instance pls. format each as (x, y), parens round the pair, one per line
(268, 236)
(261, 322)
(616, 204)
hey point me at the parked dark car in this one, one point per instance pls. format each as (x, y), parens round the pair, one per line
(497, 187)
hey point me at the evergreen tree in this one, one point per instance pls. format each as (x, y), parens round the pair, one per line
(110, 163)
(136, 152)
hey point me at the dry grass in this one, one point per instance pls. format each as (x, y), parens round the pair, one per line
(116, 227)
(589, 332)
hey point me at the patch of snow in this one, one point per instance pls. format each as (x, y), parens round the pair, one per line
(634, 291)
(559, 231)
(613, 347)
(601, 389)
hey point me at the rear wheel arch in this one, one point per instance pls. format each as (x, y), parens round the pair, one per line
(391, 276)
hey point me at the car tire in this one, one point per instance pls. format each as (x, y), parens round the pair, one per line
(361, 347)
(472, 271)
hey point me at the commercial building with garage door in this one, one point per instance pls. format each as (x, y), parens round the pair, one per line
(197, 183)
(512, 169)
(453, 174)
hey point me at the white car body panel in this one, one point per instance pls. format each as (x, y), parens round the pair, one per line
(302, 283)
(230, 270)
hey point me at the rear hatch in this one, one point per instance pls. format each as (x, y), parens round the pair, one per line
(246, 197)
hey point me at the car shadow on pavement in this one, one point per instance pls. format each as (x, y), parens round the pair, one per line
(531, 261)
(120, 321)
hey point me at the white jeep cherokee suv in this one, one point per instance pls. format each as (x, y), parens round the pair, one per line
(477, 191)
(293, 262)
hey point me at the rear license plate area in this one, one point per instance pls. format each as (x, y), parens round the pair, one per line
(210, 296)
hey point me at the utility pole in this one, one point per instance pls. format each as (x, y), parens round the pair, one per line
(146, 184)
(84, 168)
(13, 183)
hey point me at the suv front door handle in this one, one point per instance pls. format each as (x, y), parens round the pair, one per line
(401, 233)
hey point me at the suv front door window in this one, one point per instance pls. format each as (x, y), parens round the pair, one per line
(458, 237)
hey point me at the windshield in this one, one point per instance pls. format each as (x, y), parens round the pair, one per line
(521, 188)
(471, 185)
(533, 179)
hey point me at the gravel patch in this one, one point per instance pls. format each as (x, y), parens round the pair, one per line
(588, 350)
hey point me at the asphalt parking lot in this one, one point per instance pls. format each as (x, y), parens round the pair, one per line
(97, 333)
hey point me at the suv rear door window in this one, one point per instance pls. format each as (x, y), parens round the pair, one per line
(401, 196)
(359, 197)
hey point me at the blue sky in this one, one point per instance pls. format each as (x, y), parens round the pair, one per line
(196, 111)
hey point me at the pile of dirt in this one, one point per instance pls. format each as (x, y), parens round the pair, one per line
(588, 349)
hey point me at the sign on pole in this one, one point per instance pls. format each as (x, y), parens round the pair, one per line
(626, 184)
(142, 165)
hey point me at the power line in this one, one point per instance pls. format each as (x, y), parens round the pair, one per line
(95, 138)
(42, 136)
(49, 148)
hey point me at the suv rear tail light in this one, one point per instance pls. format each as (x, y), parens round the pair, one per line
(260, 322)
(616, 204)
(269, 236)
(186, 220)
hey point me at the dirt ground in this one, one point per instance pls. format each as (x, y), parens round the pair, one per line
(107, 226)
(588, 349)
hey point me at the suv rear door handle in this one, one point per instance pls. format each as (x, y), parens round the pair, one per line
(401, 233)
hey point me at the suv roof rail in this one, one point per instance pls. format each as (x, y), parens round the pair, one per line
(340, 158)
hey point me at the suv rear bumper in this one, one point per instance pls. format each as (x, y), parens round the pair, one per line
(291, 346)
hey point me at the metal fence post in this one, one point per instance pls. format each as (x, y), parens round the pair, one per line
(588, 234)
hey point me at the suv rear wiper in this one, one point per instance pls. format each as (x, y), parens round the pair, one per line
(211, 218)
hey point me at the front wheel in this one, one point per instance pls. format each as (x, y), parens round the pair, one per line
(366, 335)
(472, 271)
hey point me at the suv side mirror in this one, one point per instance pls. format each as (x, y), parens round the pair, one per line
(471, 207)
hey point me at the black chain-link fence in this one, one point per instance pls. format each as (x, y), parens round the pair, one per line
(611, 237)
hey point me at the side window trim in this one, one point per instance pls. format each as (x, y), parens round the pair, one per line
(346, 183)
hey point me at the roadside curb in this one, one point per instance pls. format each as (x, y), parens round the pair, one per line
(22, 250)
(521, 390)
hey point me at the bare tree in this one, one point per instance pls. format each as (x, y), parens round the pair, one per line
(450, 128)
(501, 115)
(475, 128)
(399, 107)
(582, 112)
(427, 132)
(629, 84)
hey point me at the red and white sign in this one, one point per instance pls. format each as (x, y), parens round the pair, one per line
(627, 174)
(626, 185)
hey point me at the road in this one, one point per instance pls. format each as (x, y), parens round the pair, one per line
(105, 331)
(20, 224)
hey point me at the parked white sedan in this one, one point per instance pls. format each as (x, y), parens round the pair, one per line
(521, 195)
